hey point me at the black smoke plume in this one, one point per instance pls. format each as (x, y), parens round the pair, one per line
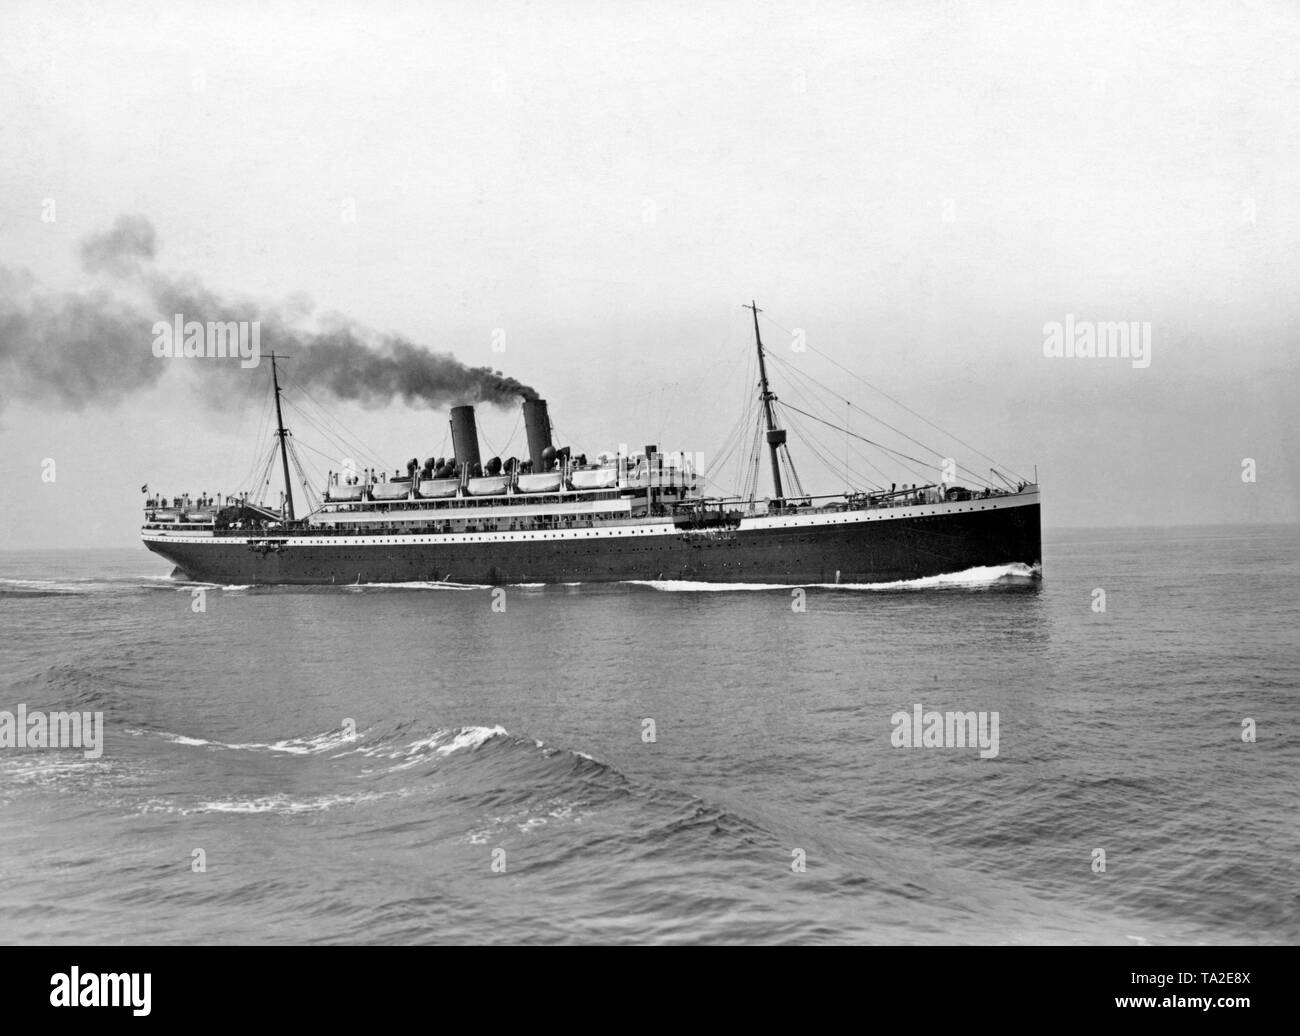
(95, 347)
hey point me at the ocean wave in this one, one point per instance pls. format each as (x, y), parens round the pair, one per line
(313, 744)
(557, 810)
(82, 587)
(439, 744)
(502, 783)
(67, 770)
(280, 804)
(342, 742)
(522, 769)
(45, 766)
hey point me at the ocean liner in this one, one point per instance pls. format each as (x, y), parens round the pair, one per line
(556, 517)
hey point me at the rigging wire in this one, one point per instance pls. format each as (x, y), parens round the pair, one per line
(862, 437)
(803, 434)
(356, 441)
(264, 478)
(313, 449)
(309, 495)
(792, 476)
(732, 443)
(345, 449)
(849, 445)
(756, 458)
(857, 481)
(817, 454)
(261, 432)
(921, 475)
(974, 475)
(896, 402)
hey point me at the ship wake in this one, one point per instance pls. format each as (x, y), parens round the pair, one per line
(981, 577)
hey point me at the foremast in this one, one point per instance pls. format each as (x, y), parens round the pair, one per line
(284, 450)
(775, 435)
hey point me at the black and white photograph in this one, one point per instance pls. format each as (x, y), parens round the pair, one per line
(780, 474)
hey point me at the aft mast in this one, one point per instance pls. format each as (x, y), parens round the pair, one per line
(775, 435)
(284, 451)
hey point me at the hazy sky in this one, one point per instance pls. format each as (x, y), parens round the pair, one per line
(920, 188)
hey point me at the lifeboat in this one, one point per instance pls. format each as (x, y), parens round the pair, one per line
(595, 478)
(346, 492)
(390, 490)
(439, 487)
(542, 482)
(490, 485)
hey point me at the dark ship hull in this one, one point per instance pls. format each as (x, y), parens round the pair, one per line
(861, 546)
